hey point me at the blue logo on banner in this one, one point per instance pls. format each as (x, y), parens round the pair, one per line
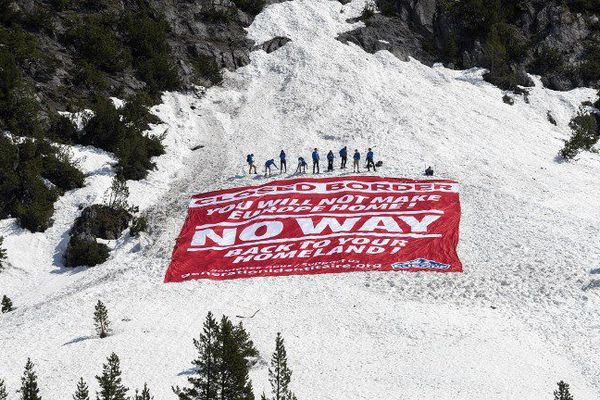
(420, 263)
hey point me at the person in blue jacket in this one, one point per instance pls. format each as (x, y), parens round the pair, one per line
(370, 162)
(356, 161)
(250, 161)
(344, 157)
(301, 166)
(282, 163)
(330, 158)
(315, 158)
(268, 165)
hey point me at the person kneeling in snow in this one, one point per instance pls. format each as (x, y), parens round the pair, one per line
(429, 171)
(268, 165)
(301, 166)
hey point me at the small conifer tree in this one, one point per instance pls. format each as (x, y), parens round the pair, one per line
(562, 393)
(3, 393)
(234, 383)
(205, 383)
(110, 384)
(2, 254)
(279, 373)
(7, 305)
(82, 392)
(118, 194)
(101, 321)
(29, 387)
(144, 395)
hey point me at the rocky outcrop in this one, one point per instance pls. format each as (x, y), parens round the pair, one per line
(101, 222)
(560, 42)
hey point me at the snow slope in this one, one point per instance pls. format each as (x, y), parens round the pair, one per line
(522, 316)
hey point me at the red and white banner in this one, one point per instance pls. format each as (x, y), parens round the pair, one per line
(315, 226)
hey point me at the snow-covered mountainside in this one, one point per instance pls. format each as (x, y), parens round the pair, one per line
(524, 314)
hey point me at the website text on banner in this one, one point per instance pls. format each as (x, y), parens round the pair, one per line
(313, 226)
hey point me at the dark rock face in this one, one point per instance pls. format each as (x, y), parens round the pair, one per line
(100, 221)
(197, 29)
(271, 45)
(427, 29)
(392, 34)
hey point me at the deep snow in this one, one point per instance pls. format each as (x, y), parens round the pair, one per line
(522, 316)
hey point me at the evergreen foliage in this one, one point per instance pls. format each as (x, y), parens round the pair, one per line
(138, 225)
(562, 393)
(118, 131)
(95, 39)
(7, 305)
(3, 393)
(144, 395)
(33, 173)
(252, 7)
(146, 36)
(585, 135)
(82, 392)
(206, 68)
(280, 375)
(111, 387)
(101, 321)
(85, 252)
(225, 355)
(29, 387)
(2, 254)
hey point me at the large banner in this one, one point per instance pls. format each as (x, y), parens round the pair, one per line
(316, 226)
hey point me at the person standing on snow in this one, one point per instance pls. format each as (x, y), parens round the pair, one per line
(282, 163)
(370, 162)
(330, 158)
(315, 158)
(301, 166)
(356, 161)
(344, 157)
(268, 165)
(250, 161)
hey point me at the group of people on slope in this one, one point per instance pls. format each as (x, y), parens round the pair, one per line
(316, 158)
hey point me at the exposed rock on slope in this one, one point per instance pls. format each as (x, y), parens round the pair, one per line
(558, 40)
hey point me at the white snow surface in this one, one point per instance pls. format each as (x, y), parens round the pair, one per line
(524, 314)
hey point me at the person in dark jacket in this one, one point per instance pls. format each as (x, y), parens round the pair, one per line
(301, 166)
(282, 163)
(330, 158)
(268, 165)
(344, 157)
(370, 162)
(250, 161)
(315, 159)
(429, 171)
(356, 161)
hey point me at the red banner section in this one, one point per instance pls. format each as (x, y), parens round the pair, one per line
(315, 226)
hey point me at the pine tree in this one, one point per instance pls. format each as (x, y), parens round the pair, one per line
(563, 392)
(279, 373)
(7, 305)
(82, 392)
(29, 387)
(3, 393)
(145, 395)
(2, 254)
(101, 320)
(118, 194)
(234, 383)
(110, 384)
(205, 384)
